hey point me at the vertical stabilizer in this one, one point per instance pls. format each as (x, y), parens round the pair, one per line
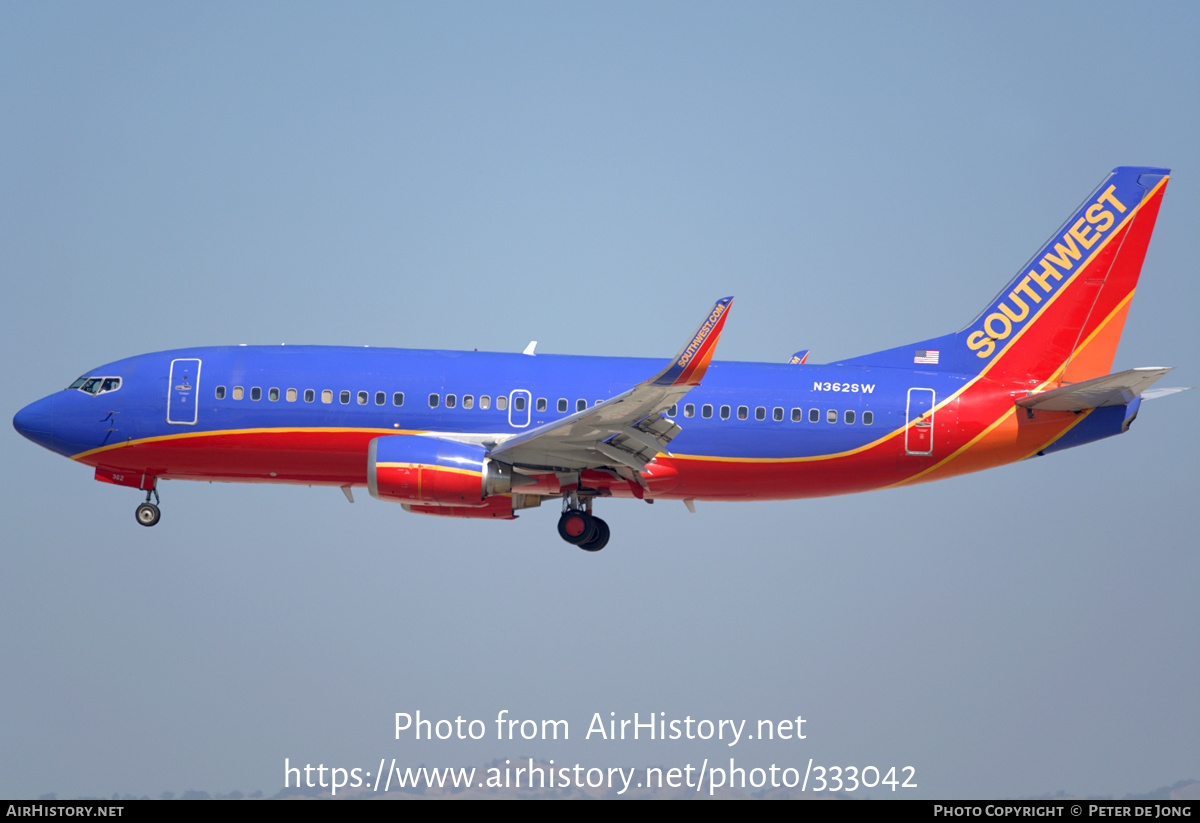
(1061, 317)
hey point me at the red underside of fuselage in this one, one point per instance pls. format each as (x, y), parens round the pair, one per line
(339, 458)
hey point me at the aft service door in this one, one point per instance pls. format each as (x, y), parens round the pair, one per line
(183, 391)
(918, 434)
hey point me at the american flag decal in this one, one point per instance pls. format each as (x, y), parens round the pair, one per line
(929, 357)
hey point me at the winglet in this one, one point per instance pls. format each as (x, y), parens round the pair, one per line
(691, 363)
(798, 358)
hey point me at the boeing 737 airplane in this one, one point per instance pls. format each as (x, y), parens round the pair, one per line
(473, 434)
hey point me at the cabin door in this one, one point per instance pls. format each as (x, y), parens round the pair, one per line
(183, 391)
(918, 434)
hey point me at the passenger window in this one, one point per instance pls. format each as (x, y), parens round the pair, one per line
(519, 403)
(580, 405)
(778, 413)
(238, 392)
(291, 395)
(502, 403)
(743, 412)
(724, 412)
(451, 401)
(760, 413)
(848, 417)
(468, 401)
(868, 418)
(831, 416)
(434, 399)
(344, 397)
(797, 415)
(326, 395)
(362, 398)
(220, 392)
(541, 404)
(814, 415)
(689, 410)
(485, 401)
(706, 411)
(562, 404)
(398, 399)
(273, 395)
(309, 395)
(380, 398)
(256, 393)
(673, 411)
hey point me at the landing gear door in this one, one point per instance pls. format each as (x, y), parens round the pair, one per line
(918, 434)
(183, 392)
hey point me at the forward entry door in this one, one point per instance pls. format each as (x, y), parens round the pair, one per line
(183, 393)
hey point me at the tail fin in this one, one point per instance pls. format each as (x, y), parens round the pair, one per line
(1061, 317)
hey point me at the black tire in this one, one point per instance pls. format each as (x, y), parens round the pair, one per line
(576, 527)
(599, 539)
(147, 514)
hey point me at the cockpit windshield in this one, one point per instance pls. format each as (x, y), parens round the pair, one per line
(96, 385)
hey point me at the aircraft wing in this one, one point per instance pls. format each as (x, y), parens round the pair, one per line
(1109, 390)
(626, 431)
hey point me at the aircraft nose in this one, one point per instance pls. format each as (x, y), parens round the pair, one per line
(36, 422)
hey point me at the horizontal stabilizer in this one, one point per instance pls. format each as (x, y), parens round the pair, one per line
(1111, 390)
(1154, 394)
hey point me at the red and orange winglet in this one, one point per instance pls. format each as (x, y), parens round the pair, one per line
(691, 363)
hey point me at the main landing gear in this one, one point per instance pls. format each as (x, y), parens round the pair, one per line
(579, 528)
(147, 513)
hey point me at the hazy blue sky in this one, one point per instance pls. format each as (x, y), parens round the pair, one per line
(462, 175)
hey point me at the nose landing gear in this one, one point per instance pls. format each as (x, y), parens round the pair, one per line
(147, 513)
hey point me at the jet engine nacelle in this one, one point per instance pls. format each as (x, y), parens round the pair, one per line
(430, 471)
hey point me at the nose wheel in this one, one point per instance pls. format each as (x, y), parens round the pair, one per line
(147, 513)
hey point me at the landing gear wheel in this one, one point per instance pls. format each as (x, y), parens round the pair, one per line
(147, 514)
(576, 527)
(599, 539)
